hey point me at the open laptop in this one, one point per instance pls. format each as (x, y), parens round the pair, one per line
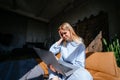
(49, 58)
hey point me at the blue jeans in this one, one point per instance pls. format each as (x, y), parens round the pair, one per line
(34, 74)
(80, 74)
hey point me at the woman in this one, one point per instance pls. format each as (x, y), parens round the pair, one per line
(67, 43)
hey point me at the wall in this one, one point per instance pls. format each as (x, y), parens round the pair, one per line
(92, 7)
(36, 31)
(14, 25)
(22, 28)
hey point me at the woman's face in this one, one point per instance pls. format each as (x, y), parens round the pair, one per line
(65, 34)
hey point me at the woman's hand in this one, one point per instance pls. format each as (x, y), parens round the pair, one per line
(60, 35)
(61, 38)
(52, 68)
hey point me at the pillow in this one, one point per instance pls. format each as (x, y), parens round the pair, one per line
(103, 62)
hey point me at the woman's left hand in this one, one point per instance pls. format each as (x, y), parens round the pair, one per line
(52, 68)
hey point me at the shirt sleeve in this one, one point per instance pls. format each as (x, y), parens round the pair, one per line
(55, 48)
(80, 57)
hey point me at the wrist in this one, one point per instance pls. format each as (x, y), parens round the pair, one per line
(59, 41)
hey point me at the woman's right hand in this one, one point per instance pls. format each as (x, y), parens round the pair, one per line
(61, 38)
(60, 35)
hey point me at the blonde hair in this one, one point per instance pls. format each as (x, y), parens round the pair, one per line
(74, 36)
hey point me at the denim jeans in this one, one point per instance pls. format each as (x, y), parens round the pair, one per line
(79, 74)
(34, 74)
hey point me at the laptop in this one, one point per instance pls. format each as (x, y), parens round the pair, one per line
(62, 67)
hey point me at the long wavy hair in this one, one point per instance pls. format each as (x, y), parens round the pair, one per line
(74, 36)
